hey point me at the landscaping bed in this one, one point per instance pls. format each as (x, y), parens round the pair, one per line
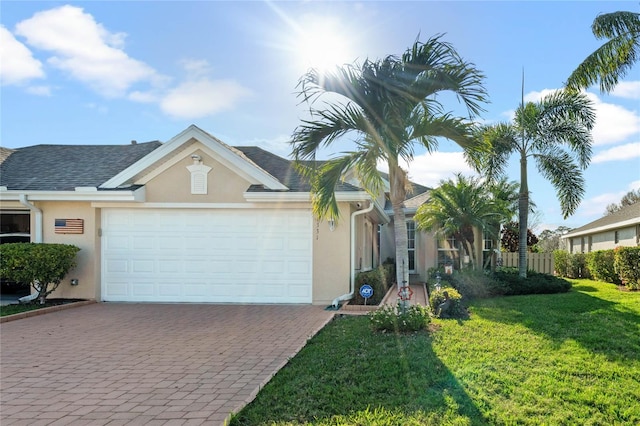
(17, 311)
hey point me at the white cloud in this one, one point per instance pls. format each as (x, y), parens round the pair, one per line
(614, 123)
(85, 49)
(18, 64)
(627, 89)
(279, 145)
(429, 169)
(621, 152)
(201, 98)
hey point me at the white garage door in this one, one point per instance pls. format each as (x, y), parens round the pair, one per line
(196, 255)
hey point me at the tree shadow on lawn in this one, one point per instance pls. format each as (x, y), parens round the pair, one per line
(365, 378)
(601, 326)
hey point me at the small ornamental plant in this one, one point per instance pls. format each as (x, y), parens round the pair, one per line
(399, 319)
(446, 303)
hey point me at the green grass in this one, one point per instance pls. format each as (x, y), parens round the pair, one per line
(571, 358)
(18, 309)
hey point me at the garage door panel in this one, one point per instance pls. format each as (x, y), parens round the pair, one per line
(174, 255)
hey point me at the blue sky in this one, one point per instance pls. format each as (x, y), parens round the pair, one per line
(111, 72)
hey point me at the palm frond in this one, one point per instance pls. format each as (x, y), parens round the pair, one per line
(613, 60)
(559, 168)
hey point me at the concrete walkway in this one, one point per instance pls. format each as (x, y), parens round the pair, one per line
(145, 364)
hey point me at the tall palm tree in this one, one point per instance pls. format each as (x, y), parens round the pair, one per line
(611, 61)
(459, 206)
(556, 133)
(389, 105)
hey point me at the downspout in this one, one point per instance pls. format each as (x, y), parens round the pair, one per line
(348, 296)
(38, 217)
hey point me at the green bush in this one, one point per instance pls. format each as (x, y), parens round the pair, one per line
(570, 265)
(601, 266)
(473, 284)
(627, 264)
(535, 283)
(42, 265)
(396, 319)
(377, 279)
(455, 309)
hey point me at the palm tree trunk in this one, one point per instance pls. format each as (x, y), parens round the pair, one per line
(397, 194)
(523, 218)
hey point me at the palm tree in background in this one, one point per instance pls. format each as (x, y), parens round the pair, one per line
(556, 133)
(460, 206)
(389, 106)
(611, 61)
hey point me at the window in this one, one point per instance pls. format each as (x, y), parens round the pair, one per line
(448, 252)
(411, 243)
(616, 237)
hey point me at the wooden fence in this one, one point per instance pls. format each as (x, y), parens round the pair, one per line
(539, 262)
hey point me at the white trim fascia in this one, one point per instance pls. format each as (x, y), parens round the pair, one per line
(138, 195)
(268, 197)
(222, 150)
(617, 225)
(178, 205)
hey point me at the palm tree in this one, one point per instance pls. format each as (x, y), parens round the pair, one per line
(457, 208)
(611, 61)
(390, 106)
(542, 130)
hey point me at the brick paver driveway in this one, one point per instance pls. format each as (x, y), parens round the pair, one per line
(155, 364)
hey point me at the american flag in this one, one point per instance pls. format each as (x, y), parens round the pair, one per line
(69, 226)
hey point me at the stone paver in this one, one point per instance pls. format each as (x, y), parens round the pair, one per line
(141, 364)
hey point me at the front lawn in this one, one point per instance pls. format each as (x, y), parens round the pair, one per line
(571, 358)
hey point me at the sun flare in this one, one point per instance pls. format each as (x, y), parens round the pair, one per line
(323, 45)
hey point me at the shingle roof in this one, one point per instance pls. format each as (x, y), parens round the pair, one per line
(283, 170)
(627, 213)
(64, 167)
(5, 153)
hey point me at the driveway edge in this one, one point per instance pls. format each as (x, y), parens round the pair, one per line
(43, 311)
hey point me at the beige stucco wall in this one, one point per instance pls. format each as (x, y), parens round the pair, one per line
(173, 185)
(331, 258)
(87, 270)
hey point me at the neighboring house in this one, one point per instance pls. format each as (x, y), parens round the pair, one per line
(189, 220)
(619, 229)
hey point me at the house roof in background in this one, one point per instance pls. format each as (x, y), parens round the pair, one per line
(626, 216)
(65, 167)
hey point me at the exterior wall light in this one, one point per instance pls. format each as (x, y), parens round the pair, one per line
(332, 225)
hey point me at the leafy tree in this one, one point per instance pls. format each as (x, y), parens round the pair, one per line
(549, 240)
(42, 265)
(458, 206)
(628, 199)
(510, 240)
(611, 61)
(389, 105)
(556, 133)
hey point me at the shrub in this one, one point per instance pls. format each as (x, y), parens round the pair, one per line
(601, 266)
(394, 318)
(535, 283)
(627, 264)
(377, 279)
(42, 265)
(570, 265)
(455, 309)
(473, 284)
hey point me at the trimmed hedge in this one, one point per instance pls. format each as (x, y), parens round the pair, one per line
(601, 266)
(627, 264)
(455, 309)
(42, 265)
(512, 284)
(377, 279)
